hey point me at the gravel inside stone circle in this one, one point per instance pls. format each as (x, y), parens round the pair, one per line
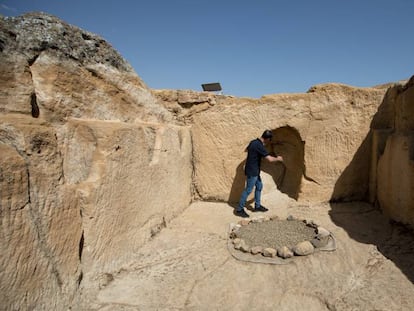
(276, 233)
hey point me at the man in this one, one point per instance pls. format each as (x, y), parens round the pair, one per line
(255, 152)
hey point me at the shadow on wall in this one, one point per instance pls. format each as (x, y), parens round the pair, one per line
(358, 181)
(238, 183)
(353, 184)
(287, 176)
(357, 185)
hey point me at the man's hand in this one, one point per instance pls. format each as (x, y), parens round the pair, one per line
(274, 159)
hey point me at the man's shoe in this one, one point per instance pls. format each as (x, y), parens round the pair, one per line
(261, 208)
(241, 213)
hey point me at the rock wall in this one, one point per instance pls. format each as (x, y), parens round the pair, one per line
(126, 177)
(392, 173)
(41, 227)
(340, 143)
(318, 134)
(90, 166)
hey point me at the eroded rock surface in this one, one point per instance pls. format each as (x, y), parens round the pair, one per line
(317, 133)
(393, 148)
(87, 162)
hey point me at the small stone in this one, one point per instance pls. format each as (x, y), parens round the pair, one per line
(244, 222)
(235, 227)
(256, 250)
(322, 232)
(269, 252)
(274, 217)
(241, 246)
(244, 247)
(258, 219)
(290, 218)
(303, 248)
(236, 241)
(319, 241)
(285, 252)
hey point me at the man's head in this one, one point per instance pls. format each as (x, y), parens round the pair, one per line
(267, 135)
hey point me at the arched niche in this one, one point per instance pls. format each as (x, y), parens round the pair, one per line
(287, 175)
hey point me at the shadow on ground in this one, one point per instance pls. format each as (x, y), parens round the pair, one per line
(366, 224)
(358, 182)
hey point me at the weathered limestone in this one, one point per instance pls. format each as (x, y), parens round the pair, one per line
(392, 170)
(317, 133)
(90, 169)
(131, 180)
(62, 72)
(41, 229)
(183, 104)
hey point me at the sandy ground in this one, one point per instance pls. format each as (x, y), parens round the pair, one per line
(187, 266)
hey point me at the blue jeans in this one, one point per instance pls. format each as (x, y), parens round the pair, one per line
(252, 181)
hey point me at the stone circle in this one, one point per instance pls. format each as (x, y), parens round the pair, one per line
(271, 237)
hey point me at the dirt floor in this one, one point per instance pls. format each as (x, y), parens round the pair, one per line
(187, 266)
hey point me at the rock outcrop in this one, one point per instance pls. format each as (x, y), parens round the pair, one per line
(89, 162)
(392, 172)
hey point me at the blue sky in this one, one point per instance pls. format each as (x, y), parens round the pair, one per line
(251, 47)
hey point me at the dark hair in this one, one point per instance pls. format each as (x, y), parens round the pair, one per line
(267, 134)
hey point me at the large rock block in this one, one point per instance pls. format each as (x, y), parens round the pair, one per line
(392, 172)
(131, 180)
(41, 230)
(395, 178)
(78, 196)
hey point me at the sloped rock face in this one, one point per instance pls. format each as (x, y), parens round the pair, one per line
(87, 162)
(34, 33)
(56, 71)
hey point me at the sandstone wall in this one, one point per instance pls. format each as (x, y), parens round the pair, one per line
(90, 166)
(130, 179)
(41, 225)
(319, 134)
(392, 174)
(340, 143)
